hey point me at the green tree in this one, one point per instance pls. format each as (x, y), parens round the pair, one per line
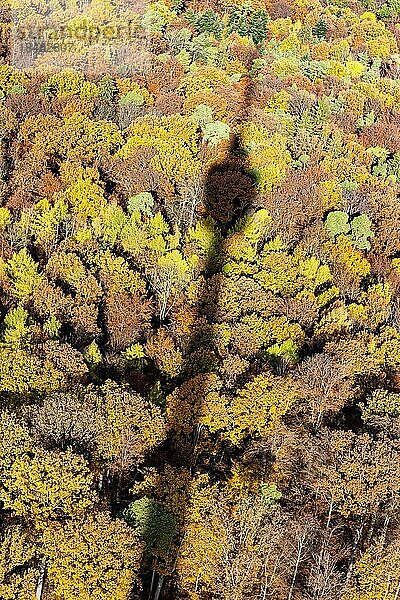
(360, 232)
(155, 525)
(337, 222)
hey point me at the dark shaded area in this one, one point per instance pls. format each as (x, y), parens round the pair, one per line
(230, 194)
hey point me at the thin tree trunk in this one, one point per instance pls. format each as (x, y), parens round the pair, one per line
(298, 559)
(159, 587)
(384, 531)
(40, 582)
(152, 583)
(196, 587)
(329, 514)
(357, 539)
(397, 592)
(118, 490)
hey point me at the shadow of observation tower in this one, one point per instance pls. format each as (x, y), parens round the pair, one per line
(193, 448)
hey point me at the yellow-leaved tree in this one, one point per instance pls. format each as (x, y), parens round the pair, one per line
(95, 558)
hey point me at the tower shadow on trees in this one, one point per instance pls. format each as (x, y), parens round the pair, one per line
(229, 195)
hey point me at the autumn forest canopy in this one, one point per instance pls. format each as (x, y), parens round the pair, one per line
(199, 300)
